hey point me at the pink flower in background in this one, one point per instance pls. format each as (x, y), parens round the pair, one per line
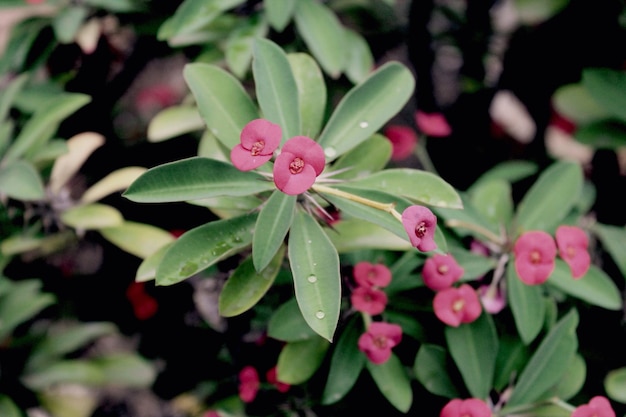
(432, 124)
(369, 300)
(471, 407)
(272, 378)
(441, 271)
(535, 252)
(403, 141)
(572, 243)
(599, 406)
(367, 274)
(259, 139)
(378, 341)
(35, 1)
(419, 223)
(211, 413)
(300, 161)
(454, 306)
(249, 383)
(492, 298)
(144, 305)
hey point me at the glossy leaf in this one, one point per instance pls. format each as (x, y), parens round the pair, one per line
(323, 34)
(385, 91)
(615, 385)
(493, 199)
(288, 325)
(148, 266)
(613, 240)
(350, 235)
(549, 362)
(279, 12)
(527, 305)
(393, 382)
(607, 86)
(432, 371)
(222, 101)
(315, 267)
(271, 228)
(346, 363)
(240, 41)
(174, 121)
(474, 347)
(80, 148)
(311, 92)
(194, 178)
(116, 181)
(551, 197)
(595, 287)
(203, 246)
(276, 89)
(245, 287)
(360, 61)
(371, 156)
(92, 216)
(21, 181)
(139, 239)
(292, 369)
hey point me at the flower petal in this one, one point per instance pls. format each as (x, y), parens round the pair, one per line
(244, 161)
(288, 183)
(261, 130)
(307, 149)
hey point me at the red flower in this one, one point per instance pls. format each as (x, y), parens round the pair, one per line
(599, 406)
(369, 300)
(432, 124)
(272, 379)
(572, 243)
(300, 161)
(441, 271)
(419, 223)
(378, 340)
(471, 407)
(143, 304)
(454, 306)
(249, 383)
(403, 141)
(367, 274)
(259, 139)
(535, 252)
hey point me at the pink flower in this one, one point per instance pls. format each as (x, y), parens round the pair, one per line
(367, 274)
(432, 124)
(403, 140)
(419, 223)
(471, 407)
(535, 252)
(369, 300)
(599, 406)
(572, 243)
(211, 413)
(299, 163)
(491, 298)
(259, 139)
(378, 340)
(272, 378)
(249, 383)
(441, 271)
(454, 306)
(144, 305)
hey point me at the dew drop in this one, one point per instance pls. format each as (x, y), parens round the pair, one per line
(363, 125)
(309, 241)
(311, 279)
(320, 314)
(330, 152)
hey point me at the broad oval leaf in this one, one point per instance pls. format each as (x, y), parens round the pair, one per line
(572, 381)
(366, 108)
(551, 197)
(279, 12)
(474, 348)
(23, 301)
(613, 240)
(126, 370)
(432, 372)
(245, 287)
(240, 41)
(360, 61)
(222, 101)
(575, 102)
(68, 21)
(271, 228)
(512, 356)
(315, 267)
(615, 384)
(527, 305)
(139, 239)
(371, 156)
(203, 246)
(148, 267)
(393, 382)
(311, 92)
(350, 235)
(287, 323)
(292, 369)
(607, 86)
(117, 180)
(174, 121)
(193, 179)
(493, 199)
(77, 371)
(92, 216)
(21, 181)
(510, 171)
(80, 147)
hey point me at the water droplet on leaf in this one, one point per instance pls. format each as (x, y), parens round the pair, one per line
(330, 152)
(312, 279)
(320, 314)
(363, 125)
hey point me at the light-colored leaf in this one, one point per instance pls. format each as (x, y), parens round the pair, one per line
(21, 181)
(360, 61)
(279, 12)
(92, 216)
(240, 41)
(117, 180)
(80, 147)
(174, 121)
(138, 239)
(350, 235)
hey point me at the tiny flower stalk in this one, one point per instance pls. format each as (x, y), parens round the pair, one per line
(387, 207)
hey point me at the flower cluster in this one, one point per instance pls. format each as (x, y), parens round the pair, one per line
(378, 341)
(598, 406)
(368, 296)
(300, 161)
(535, 253)
(250, 383)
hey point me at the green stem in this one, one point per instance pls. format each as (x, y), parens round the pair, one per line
(478, 229)
(422, 155)
(387, 207)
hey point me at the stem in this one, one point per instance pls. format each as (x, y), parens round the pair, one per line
(388, 207)
(423, 157)
(479, 229)
(529, 407)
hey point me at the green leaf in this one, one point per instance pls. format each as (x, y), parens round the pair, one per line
(432, 371)
(493, 199)
(393, 382)
(474, 347)
(575, 102)
(311, 92)
(288, 325)
(613, 239)
(222, 101)
(467, 221)
(115, 181)
(366, 108)
(510, 171)
(595, 287)
(203, 246)
(192, 179)
(118, 6)
(138, 239)
(240, 41)
(474, 265)
(8, 408)
(279, 12)
(22, 302)
(602, 134)
(68, 21)
(315, 267)
(346, 363)
(615, 385)
(360, 61)
(21, 181)
(571, 382)
(551, 197)
(148, 267)
(548, 364)
(512, 356)
(10, 91)
(533, 12)
(92, 216)
(292, 369)
(174, 121)
(323, 34)
(271, 228)
(245, 287)
(276, 89)
(607, 87)
(71, 371)
(527, 305)
(79, 148)
(416, 185)
(126, 370)
(371, 156)
(350, 235)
